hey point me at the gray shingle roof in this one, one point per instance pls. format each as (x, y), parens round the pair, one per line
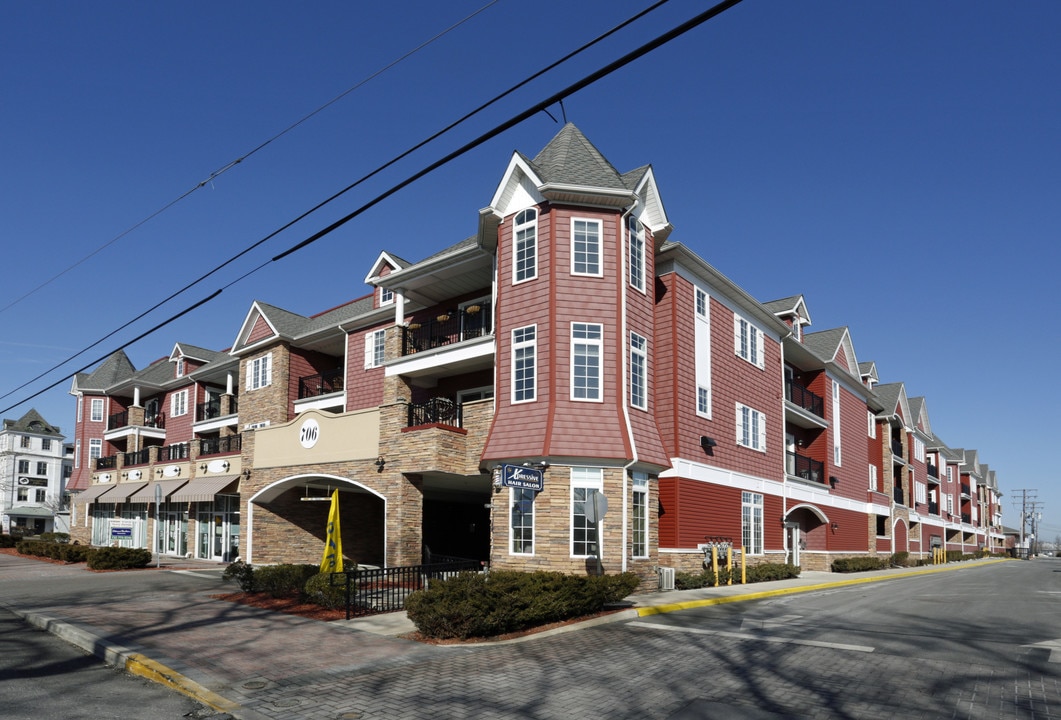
(889, 395)
(32, 422)
(114, 369)
(571, 159)
(824, 343)
(783, 305)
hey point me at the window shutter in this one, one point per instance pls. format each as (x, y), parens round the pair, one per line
(267, 370)
(250, 374)
(760, 359)
(369, 350)
(762, 432)
(736, 334)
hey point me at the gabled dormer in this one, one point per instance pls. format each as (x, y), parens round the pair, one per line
(868, 372)
(793, 312)
(265, 324)
(386, 263)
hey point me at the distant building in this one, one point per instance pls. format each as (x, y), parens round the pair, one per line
(32, 476)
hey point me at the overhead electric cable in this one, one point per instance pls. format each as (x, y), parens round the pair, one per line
(233, 163)
(342, 192)
(497, 130)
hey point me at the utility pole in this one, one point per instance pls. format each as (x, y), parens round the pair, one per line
(1027, 502)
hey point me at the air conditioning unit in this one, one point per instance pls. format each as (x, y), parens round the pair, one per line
(666, 578)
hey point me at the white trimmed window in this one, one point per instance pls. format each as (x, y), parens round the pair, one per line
(638, 371)
(751, 428)
(178, 404)
(260, 372)
(837, 454)
(525, 240)
(23, 494)
(585, 247)
(637, 253)
(180, 367)
(42, 468)
(524, 364)
(96, 413)
(95, 449)
(872, 476)
(748, 341)
(584, 483)
(639, 516)
(871, 424)
(702, 338)
(375, 345)
(919, 449)
(586, 361)
(386, 296)
(521, 528)
(751, 506)
(77, 454)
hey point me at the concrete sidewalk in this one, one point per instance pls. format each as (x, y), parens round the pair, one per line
(165, 626)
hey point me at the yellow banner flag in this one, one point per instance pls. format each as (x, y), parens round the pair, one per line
(332, 561)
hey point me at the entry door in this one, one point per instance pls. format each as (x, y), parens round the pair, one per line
(794, 539)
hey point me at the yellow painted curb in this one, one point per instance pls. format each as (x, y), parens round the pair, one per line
(145, 667)
(707, 602)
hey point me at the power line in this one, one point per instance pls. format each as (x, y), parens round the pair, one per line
(534, 109)
(336, 195)
(233, 163)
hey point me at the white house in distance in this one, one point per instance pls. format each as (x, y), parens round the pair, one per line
(32, 477)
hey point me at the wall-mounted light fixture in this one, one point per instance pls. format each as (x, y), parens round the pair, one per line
(834, 481)
(835, 526)
(380, 463)
(247, 473)
(708, 444)
(202, 467)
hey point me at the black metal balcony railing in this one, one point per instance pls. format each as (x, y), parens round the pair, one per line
(933, 471)
(140, 457)
(446, 328)
(804, 398)
(173, 453)
(933, 508)
(157, 420)
(118, 420)
(967, 518)
(220, 445)
(208, 410)
(323, 383)
(438, 410)
(804, 467)
(107, 462)
(965, 489)
(897, 493)
(897, 448)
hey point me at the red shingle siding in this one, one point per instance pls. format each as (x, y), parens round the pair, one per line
(364, 387)
(854, 470)
(260, 331)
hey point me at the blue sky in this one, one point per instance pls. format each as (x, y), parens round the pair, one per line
(897, 163)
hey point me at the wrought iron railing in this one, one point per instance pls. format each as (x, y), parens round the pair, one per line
(107, 462)
(117, 420)
(967, 518)
(897, 493)
(804, 398)
(220, 445)
(140, 457)
(447, 327)
(439, 410)
(173, 453)
(157, 420)
(933, 508)
(897, 447)
(373, 591)
(933, 471)
(804, 467)
(323, 383)
(208, 410)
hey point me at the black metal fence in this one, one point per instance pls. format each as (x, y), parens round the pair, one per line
(373, 591)
(438, 410)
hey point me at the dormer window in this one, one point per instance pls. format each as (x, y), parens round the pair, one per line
(180, 367)
(386, 296)
(797, 329)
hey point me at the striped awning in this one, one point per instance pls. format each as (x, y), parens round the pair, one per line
(204, 489)
(92, 493)
(147, 494)
(122, 491)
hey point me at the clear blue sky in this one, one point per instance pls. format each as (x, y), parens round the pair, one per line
(897, 163)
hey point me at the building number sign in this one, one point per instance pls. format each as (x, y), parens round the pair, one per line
(309, 433)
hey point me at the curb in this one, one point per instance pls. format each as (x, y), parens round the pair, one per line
(133, 662)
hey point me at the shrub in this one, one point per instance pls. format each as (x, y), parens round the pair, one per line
(118, 558)
(243, 574)
(283, 580)
(765, 572)
(59, 537)
(8, 541)
(481, 605)
(320, 590)
(858, 564)
(900, 559)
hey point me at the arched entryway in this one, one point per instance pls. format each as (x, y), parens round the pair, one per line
(805, 530)
(900, 537)
(286, 521)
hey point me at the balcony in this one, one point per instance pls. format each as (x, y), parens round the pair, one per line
(140, 457)
(173, 453)
(933, 471)
(157, 420)
(208, 410)
(965, 489)
(436, 411)
(447, 328)
(933, 507)
(325, 383)
(897, 448)
(118, 420)
(107, 462)
(804, 398)
(803, 467)
(897, 494)
(967, 518)
(220, 445)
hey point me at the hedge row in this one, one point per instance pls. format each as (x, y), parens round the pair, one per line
(486, 604)
(304, 581)
(764, 572)
(866, 563)
(106, 558)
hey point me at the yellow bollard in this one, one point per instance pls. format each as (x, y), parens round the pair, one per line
(714, 563)
(743, 566)
(729, 564)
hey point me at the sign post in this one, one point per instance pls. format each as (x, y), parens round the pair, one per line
(158, 526)
(596, 507)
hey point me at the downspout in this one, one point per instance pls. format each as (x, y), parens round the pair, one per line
(784, 464)
(623, 270)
